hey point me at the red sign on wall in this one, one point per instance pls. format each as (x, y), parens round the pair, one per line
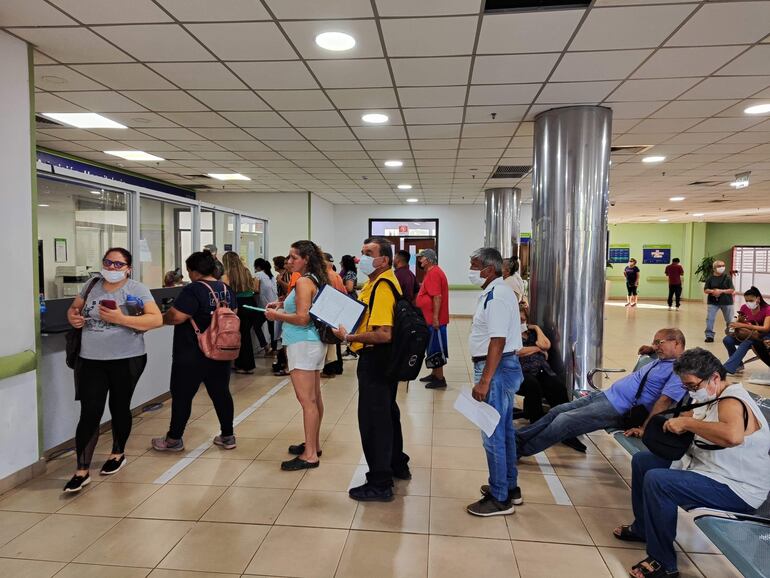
(402, 229)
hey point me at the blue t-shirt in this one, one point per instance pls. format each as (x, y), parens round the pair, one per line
(661, 381)
(297, 333)
(196, 300)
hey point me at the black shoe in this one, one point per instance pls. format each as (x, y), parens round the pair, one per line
(436, 384)
(709, 340)
(299, 449)
(428, 378)
(404, 474)
(370, 493)
(298, 464)
(112, 466)
(76, 483)
(488, 506)
(514, 495)
(575, 444)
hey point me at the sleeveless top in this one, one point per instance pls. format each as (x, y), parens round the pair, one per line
(745, 469)
(297, 333)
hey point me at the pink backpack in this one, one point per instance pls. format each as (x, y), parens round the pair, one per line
(222, 339)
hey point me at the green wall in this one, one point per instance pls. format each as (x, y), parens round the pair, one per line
(722, 237)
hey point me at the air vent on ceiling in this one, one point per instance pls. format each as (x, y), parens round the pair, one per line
(492, 6)
(630, 149)
(706, 183)
(511, 171)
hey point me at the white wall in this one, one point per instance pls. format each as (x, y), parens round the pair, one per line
(322, 224)
(18, 411)
(56, 224)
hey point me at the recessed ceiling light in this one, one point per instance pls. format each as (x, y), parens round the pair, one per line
(663, 220)
(42, 205)
(653, 159)
(698, 214)
(83, 119)
(413, 200)
(95, 192)
(229, 176)
(758, 109)
(394, 163)
(739, 184)
(134, 155)
(336, 41)
(676, 199)
(404, 186)
(375, 118)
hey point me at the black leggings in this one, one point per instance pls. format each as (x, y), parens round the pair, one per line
(186, 378)
(249, 318)
(537, 386)
(97, 378)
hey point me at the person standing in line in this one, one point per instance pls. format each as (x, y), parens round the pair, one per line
(512, 278)
(267, 292)
(493, 344)
(333, 364)
(406, 278)
(379, 417)
(220, 266)
(240, 281)
(433, 301)
(189, 367)
(349, 274)
(720, 290)
(674, 272)
(112, 358)
(631, 273)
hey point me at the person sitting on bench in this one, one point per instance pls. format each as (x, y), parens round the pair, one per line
(606, 409)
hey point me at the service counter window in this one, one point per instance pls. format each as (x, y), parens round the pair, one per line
(77, 223)
(162, 249)
(218, 228)
(252, 240)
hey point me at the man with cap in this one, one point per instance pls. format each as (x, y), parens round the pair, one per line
(220, 270)
(433, 301)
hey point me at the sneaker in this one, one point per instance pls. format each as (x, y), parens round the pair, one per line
(488, 506)
(428, 378)
(669, 307)
(709, 340)
(298, 464)
(513, 495)
(227, 442)
(76, 483)
(299, 449)
(436, 384)
(112, 466)
(370, 493)
(166, 444)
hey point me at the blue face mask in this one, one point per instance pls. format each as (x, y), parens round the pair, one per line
(366, 264)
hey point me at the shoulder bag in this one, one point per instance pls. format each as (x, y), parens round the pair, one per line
(437, 359)
(325, 331)
(74, 337)
(637, 415)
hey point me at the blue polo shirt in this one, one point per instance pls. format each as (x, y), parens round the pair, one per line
(661, 381)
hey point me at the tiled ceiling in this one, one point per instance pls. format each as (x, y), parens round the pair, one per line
(240, 86)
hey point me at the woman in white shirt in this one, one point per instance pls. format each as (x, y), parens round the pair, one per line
(513, 279)
(266, 287)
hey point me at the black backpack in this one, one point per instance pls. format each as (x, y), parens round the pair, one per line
(410, 337)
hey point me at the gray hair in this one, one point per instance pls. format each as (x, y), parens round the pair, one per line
(700, 363)
(489, 256)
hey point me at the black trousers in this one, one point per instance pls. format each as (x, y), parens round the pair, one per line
(674, 291)
(379, 418)
(97, 378)
(761, 350)
(249, 319)
(186, 377)
(537, 386)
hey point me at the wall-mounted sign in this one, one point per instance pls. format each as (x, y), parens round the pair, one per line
(60, 250)
(403, 229)
(656, 254)
(619, 253)
(228, 247)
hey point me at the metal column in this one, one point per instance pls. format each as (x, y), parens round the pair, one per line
(570, 188)
(502, 220)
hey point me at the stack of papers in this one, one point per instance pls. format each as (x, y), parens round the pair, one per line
(481, 414)
(335, 308)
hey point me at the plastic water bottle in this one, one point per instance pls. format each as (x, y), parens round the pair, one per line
(43, 308)
(134, 306)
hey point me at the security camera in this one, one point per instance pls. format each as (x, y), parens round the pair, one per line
(612, 203)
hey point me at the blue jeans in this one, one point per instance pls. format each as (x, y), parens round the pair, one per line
(656, 491)
(737, 350)
(501, 445)
(580, 416)
(727, 313)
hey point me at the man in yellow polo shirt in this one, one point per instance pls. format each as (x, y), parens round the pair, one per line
(379, 418)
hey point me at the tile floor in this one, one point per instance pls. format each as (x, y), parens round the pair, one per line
(235, 513)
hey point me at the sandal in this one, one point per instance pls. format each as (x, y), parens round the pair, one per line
(651, 568)
(298, 464)
(299, 449)
(626, 534)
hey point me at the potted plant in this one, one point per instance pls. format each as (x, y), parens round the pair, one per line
(706, 267)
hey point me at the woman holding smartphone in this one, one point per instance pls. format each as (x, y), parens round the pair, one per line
(112, 357)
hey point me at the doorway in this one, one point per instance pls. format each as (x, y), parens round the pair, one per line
(411, 235)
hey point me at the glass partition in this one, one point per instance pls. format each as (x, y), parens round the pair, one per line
(218, 227)
(252, 240)
(162, 243)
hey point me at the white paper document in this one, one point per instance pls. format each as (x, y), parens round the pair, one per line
(335, 308)
(481, 414)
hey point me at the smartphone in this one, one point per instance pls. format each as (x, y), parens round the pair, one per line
(108, 303)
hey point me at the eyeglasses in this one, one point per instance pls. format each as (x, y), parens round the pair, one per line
(692, 386)
(116, 264)
(661, 341)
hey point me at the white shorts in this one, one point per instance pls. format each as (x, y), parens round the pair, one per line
(307, 355)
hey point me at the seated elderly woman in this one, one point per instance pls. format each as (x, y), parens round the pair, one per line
(735, 479)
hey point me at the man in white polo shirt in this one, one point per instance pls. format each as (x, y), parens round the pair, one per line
(495, 337)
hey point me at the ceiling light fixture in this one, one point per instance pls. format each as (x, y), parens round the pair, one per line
(95, 192)
(228, 176)
(758, 109)
(42, 205)
(741, 180)
(375, 118)
(413, 200)
(699, 214)
(404, 186)
(663, 220)
(335, 41)
(677, 199)
(134, 155)
(394, 163)
(83, 119)
(653, 159)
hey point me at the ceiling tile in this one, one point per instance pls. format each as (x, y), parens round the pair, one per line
(726, 124)
(639, 90)
(755, 61)
(244, 40)
(47, 102)
(327, 133)
(660, 125)
(125, 76)
(40, 58)
(379, 132)
(164, 100)
(198, 75)
(274, 133)
(633, 110)
(725, 23)
(365, 32)
(200, 10)
(503, 94)
(155, 42)
(278, 75)
(197, 119)
(629, 27)
(523, 32)
(572, 92)
(490, 129)
(255, 119)
(71, 45)
(31, 13)
(693, 108)
(433, 115)
(430, 71)
(230, 99)
(112, 11)
(216, 133)
(728, 87)
(102, 101)
(244, 145)
(520, 68)
(678, 62)
(426, 7)
(314, 118)
(434, 131)
(307, 9)
(429, 36)
(289, 145)
(351, 73)
(141, 120)
(296, 99)
(62, 78)
(363, 98)
(432, 96)
(501, 113)
(610, 65)
(178, 134)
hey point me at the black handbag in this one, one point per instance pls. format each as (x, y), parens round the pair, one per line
(637, 415)
(671, 446)
(74, 336)
(437, 359)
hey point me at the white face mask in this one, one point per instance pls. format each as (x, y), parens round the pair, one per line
(475, 278)
(366, 264)
(703, 394)
(113, 276)
(752, 304)
(524, 327)
(720, 270)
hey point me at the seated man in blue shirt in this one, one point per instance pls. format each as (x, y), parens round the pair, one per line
(605, 409)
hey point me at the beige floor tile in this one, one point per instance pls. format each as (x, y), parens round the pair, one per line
(13, 524)
(276, 451)
(75, 570)
(258, 429)
(419, 485)
(40, 495)
(465, 484)
(379, 555)
(178, 502)
(152, 426)
(136, 543)
(163, 573)
(452, 420)
(215, 547)
(248, 449)
(456, 437)
(562, 560)
(146, 469)
(451, 557)
(597, 467)
(211, 472)
(600, 523)
(346, 433)
(448, 517)
(408, 514)
(714, 565)
(248, 505)
(58, 538)
(318, 509)
(329, 477)
(620, 560)
(548, 523)
(454, 458)
(136, 445)
(116, 499)
(264, 474)
(300, 552)
(419, 456)
(341, 453)
(417, 436)
(28, 568)
(594, 491)
(412, 420)
(66, 467)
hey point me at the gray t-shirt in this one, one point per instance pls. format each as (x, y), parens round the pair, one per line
(102, 340)
(268, 289)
